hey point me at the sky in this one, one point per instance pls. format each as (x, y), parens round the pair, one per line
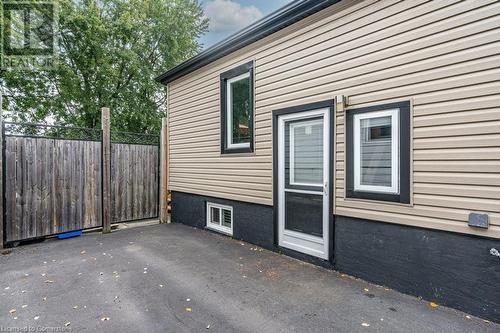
(229, 16)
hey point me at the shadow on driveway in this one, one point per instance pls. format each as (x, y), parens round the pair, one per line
(173, 278)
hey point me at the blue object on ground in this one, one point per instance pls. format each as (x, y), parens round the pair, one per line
(70, 234)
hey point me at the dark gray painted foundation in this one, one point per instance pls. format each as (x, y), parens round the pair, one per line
(254, 222)
(451, 269)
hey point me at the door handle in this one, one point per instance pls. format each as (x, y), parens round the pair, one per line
(325, 188)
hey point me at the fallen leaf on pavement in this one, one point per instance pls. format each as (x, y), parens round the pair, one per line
(12, 311)
(189, 310)
(433, 305)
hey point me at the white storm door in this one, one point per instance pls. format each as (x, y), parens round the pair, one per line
(303, 173)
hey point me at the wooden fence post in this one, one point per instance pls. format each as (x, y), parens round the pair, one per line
(1, 175)
(164, 171)
(106, 170)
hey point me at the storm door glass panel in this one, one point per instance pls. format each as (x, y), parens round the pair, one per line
(304, 152)
(304, 176)
(376, 151)
(240, 110)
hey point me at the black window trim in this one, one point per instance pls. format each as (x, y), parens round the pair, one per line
(404, 154)
(242, 69)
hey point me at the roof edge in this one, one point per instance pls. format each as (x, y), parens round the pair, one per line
(266, 26)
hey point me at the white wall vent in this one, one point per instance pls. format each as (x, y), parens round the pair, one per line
(220, 218)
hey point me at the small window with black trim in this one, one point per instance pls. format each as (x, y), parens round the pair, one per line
(378, 152)
(237, 110)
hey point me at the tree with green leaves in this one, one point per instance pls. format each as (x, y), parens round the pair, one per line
(110, 51)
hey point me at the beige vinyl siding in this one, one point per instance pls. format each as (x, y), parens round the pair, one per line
(444, 56)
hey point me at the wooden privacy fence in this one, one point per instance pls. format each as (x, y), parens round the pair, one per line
(134, 176)
(52, 185)
(58, 179)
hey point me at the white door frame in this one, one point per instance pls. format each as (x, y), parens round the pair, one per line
(305, 243)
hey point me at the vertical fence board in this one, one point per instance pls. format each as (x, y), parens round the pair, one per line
(130, 188)
(2, 179)
(10, 173)
(106, 170)
(97, 185)
(40, 177)
(18, 224)
(163, 199)
(47, 194)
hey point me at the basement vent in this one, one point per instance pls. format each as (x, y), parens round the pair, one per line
(220, 218)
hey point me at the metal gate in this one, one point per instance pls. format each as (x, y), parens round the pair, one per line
(53, 179)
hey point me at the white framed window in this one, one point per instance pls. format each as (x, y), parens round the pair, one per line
(238, 111)
(376, 137)
(220, 218)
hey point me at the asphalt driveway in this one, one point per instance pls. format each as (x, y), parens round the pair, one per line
(173, 278)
